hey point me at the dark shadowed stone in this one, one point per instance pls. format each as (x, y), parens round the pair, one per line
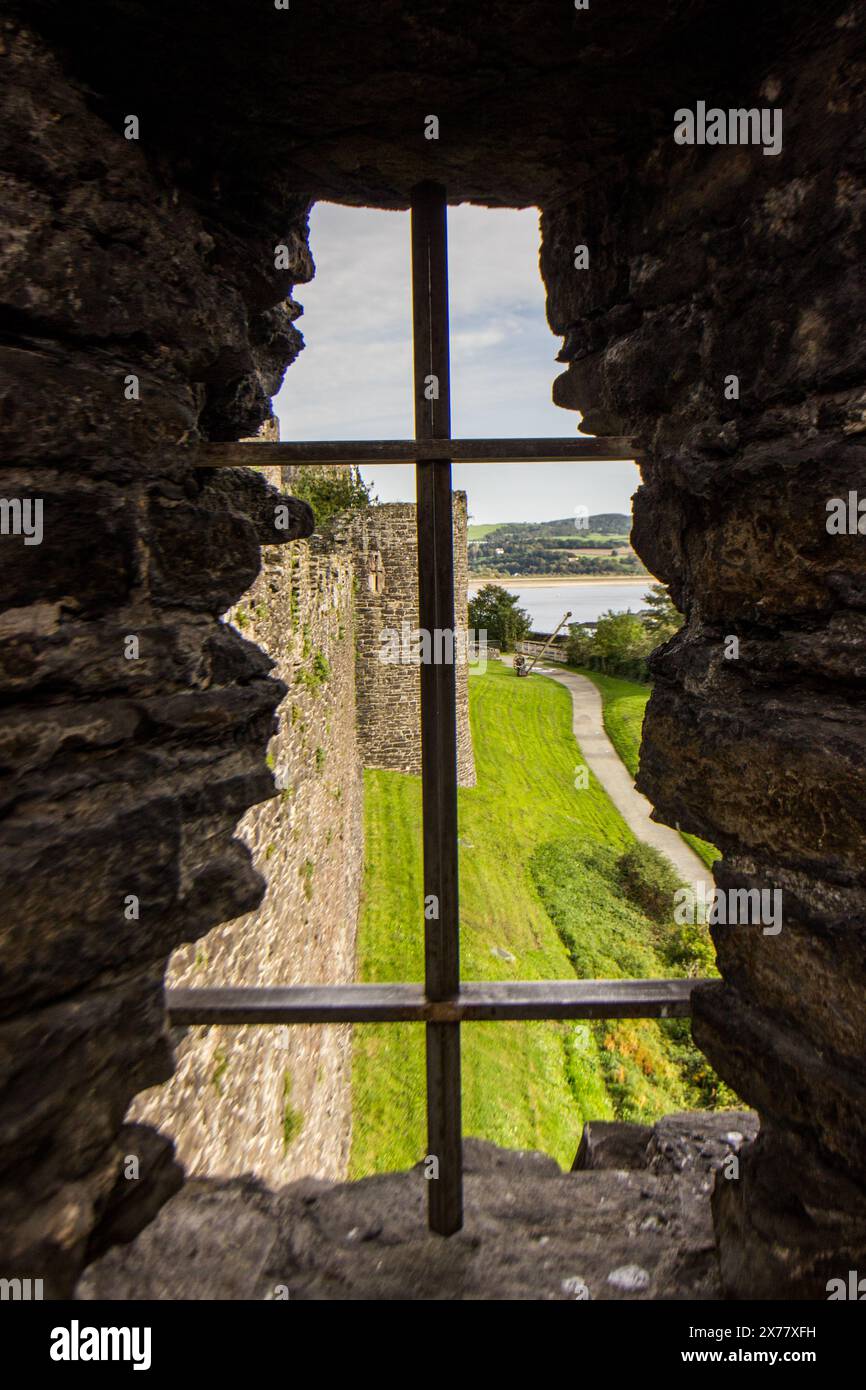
(727, 266)
(208, 556)
(696, 1142)
(86, 549)
(531, 1232)
(245, 491)
(700, 1141)
(213, 1241)
(137, 1195)
(791, 1223)
(59, 1076)
(612, 1144)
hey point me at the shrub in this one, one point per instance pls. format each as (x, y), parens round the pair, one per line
(292, 1119)
(316, 674)
(307, 870)
(649, 880)
(330, 494)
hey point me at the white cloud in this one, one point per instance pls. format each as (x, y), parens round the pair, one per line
(354, 378)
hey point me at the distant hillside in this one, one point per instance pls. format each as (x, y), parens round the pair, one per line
(601, 547)
(603, 524)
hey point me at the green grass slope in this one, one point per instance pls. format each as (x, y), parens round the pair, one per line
(525, 1085)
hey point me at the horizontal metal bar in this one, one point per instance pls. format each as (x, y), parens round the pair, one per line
(406, 1003)
(366, 452)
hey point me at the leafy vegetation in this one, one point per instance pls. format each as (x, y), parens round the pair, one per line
(649, 1067)
(330, 492)
(292, 1120)
(221, 1066)
(307, 872)
(540, 899)
(661, 619)
(587, 545)
(619, 643)
(316, 674)
(647, 879)
(495, 611)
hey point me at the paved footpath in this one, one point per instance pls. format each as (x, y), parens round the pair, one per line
(614, 776)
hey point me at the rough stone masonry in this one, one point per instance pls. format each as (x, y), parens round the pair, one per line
(276, 1102)
(154, 257)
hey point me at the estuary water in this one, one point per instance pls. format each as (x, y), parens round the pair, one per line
(546, 603)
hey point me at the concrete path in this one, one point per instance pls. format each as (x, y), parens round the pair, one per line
(603, 759)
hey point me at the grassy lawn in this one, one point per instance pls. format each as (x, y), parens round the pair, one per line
(624, 705)
(523, 830)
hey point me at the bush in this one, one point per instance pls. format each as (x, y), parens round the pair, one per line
(627, 668)
(331, 493)
(620, 643)
(649, 880)
(579, 646)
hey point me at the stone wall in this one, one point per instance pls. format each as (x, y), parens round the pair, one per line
(277, 1101)
(126, 764)
(389, 693)
(707, 262)
(124, 777)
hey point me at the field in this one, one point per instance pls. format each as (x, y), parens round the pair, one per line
(477, 531)
(554, 549)
(539, 900)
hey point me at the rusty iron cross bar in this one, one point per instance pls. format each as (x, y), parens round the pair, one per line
(479, 1001)
(438, 701)
(366, 453)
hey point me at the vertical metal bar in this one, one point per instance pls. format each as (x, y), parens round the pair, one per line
(438, 700)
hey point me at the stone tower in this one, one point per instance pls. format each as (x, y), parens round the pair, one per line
(386, 596)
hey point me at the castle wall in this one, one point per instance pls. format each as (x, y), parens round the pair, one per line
(389, 693)
(713, 266)
(277, 1101)
(135, 723)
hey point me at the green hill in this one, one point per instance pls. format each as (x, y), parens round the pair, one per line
(603, 524)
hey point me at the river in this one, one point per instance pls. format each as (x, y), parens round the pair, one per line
(546, 603)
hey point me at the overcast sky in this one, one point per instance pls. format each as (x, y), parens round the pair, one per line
(354, 378)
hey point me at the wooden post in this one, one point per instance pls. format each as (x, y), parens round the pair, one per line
(438, 702)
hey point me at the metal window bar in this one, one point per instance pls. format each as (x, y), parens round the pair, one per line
(443, 1002)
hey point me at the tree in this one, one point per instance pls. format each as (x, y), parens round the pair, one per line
(663, 619)
(620, 637)
(495, 610)
(579, 647)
